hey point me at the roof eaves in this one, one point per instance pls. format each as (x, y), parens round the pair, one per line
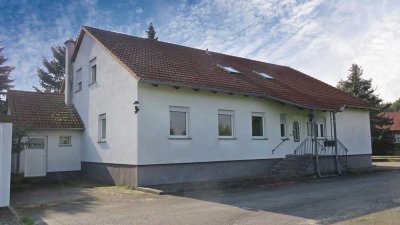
(234, 92)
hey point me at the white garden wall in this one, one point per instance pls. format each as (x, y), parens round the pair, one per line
(5, 163)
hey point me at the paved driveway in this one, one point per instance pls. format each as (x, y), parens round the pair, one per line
(361, 199)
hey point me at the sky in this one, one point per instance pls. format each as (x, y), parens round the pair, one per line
(320, 38)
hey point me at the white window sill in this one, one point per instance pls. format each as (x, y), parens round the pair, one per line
(102, 141)
(77, 91)
(91, 83)
(64, 145)
(227, 138)
(179, 138)
(259, 138)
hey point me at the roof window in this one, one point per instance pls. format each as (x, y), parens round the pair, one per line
(228, 69)
(264, 75)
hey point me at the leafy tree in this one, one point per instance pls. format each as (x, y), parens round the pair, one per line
(5, 81)
(395, 106)
(19, 142)
(382, 138)
(151, 32)
(52, 75)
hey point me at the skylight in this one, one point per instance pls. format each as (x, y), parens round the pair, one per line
(264, 75)
(228, 69)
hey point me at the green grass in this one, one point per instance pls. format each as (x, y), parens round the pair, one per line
(27, 221)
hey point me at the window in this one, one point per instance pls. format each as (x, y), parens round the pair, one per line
(78, 80)
(102, 127)
(178, 122)
(225, 124)
(397, 138)
(228, 69)
(36, 143)
(65, 141)
(257, 125)
(93, 71)
(283, 126)
(320, 128)
(265, 75)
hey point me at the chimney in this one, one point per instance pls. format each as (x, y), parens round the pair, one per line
(68, 81)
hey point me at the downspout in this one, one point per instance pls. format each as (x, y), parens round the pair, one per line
(314, 124)
(336, 145)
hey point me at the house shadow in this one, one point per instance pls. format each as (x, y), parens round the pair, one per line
(326, 201)
(35, 198)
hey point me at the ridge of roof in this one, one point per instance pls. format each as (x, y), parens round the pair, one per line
(35, 92)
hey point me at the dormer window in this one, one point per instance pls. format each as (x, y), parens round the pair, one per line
(265, 75)
(228, 69)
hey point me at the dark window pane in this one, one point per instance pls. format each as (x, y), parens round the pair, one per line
(257, 126)
(177, 123)
(93, 73)
(224, 125)
(103, 129)
(322, 130)
(283, 131)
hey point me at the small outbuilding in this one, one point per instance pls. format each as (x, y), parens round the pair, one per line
(54, 134)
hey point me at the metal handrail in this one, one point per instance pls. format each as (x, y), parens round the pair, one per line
(302, 149)
(283, 140)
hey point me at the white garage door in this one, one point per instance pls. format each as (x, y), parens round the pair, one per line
(35, 157)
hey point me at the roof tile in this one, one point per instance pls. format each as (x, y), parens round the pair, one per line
(42, 110)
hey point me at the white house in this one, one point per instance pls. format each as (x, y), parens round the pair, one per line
(155, 113)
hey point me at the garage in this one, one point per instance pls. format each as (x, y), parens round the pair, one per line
(5, 159)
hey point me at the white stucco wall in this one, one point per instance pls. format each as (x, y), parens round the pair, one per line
(113, 94)
(155, 146)
(5, 163)
(353, 129)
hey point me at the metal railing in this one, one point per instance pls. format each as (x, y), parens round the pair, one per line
(283, 140)
(307, 147)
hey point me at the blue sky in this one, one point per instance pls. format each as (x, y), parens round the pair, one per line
(320, 38)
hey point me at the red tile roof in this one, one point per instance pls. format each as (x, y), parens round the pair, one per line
(396, 120)
(159, 62)
(42, 110)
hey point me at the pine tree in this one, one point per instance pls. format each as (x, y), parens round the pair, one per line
(151, 32)
(52, 75)
(362, 88)
(5, 81)
(395, 106)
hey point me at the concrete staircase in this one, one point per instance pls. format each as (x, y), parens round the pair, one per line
(291, 167)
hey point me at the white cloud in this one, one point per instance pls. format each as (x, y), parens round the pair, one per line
(321, 38)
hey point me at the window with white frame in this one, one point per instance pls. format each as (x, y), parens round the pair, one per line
(320, 128)
(178, 122)
(102, 127)
(397, 138)
(225, 123)
(257, 125)
(65, 141)
(93, 71)
(78, 80)
(283, 125)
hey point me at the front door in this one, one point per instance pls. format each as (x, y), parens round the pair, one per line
(35, 157)
(296, 131)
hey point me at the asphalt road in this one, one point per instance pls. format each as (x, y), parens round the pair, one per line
(322, 201)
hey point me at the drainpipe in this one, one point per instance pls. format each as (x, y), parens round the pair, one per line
(336, 145)
(314, 124)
